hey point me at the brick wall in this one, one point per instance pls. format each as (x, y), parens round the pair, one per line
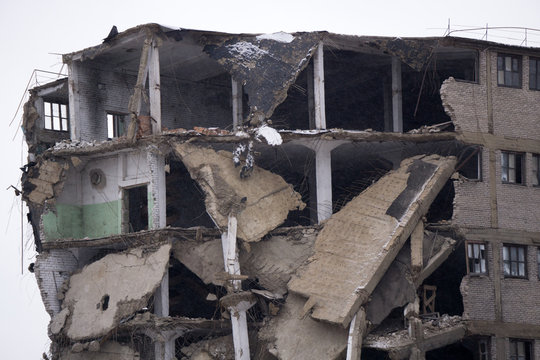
(52, 269)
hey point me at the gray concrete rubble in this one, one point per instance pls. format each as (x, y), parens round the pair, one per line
(96, 302)
(110, 350)
(372, 227)
(289, 335)
(261, 202)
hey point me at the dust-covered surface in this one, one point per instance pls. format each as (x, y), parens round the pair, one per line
(261, 202)
(357, 244)
(111, 289)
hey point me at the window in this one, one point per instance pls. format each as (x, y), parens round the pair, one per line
(520, 350)
(483, 349)
(476, 258)
(538, 261)
(509, 70)
(116, 125)
(512, 169)
(514, 261)
(535, 170)
(470, 163)
(534, 74)
(56, 116)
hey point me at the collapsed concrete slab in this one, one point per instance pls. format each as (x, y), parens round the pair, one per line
(289, 336)
(43, 181)
(434, 334)
(261, 202)
(97, 301)
(358, 244)
(272, 261)
(110, 350)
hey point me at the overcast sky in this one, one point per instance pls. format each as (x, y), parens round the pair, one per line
(35, 32)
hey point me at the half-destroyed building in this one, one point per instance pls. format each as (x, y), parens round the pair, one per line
(201, 195)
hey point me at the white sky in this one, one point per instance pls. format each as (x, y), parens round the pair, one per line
(33, 31)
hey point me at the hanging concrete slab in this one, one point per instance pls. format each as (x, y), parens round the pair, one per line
(358, 243)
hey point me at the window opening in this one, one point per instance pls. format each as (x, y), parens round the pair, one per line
(483, 349)
(136, 204)
(509, 70)
(116, 125)
(514, 261)
(470, 163)
(56, 116)
(520, 350)
(512, 169)
(534, 74)
(535, 168)
(476, 258)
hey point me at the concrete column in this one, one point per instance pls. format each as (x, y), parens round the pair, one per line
(238, 311)
(318, 88)
(357, 328)
(397, 101)
(323, 173)
(237, 104)
(154, 87)
(417, 245)
(74, 100)
(387, 104)
(158, 220)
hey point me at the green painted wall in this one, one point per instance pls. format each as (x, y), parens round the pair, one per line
(66, 223)
(77, 222)
(101, 219)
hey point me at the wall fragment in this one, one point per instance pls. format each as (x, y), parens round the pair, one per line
(261, 202)
(112, 288)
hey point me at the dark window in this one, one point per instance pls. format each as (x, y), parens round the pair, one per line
(476, 258)
(116, 125)
(509, 70)
(514, 261)
(470, 163)
(538, 261)
(534, 74)
(56, 116)
(512, 168)
(520, 350)
(535, 170)
(136, 204)
(483, 349)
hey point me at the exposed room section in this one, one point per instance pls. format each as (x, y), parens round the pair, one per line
(185, 198)
(442, 208)
(136, 209)
(355, 85)
(459, 63)
(293, 113)
(189, 296)
(445, 282)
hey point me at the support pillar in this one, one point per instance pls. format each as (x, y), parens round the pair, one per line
(397, 101)
(357, 329)
(387, 104)
(237, 104)
(154, 87)
(417, 245)
(318, 88)
(74, 100)
(238, 310)
(323, 174)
